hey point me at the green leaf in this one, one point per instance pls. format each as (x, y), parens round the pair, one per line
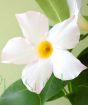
(56, 10)
(59, 95)
(80, 97)
(84, 9)
(81, 80)
(86, 17)
(17, 94)
(83, 36)
(83, 57)
(53, 89)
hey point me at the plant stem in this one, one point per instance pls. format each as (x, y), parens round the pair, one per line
(70, 87)
(65, 91)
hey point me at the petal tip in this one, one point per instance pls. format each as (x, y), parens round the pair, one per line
(28, 86)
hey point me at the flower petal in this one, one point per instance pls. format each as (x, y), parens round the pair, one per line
(65, 35)
(34, 25)
(74, 6)
(65, 65)
(18, 51)
(79, 3)
(35, 76)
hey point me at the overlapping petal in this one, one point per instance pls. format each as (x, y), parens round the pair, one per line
(18, 51)
(65, 35)
(35, 76)
(65, 65)
(74, 6)
(34, 25)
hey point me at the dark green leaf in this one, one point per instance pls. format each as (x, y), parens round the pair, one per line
(60, 94)
(83, 36)
(56, 10)
(79, 97)
(86, 17)
(53, 89)
(17, 94)
(81, 80)
(83, 57)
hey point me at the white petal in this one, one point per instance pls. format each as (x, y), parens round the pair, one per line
(79, 3)
(65, 65)
(34, 25)
(65, 35)
(18, 51)
(35, 76)
(74, 6)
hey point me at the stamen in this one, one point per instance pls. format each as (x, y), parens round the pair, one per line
(44, 49)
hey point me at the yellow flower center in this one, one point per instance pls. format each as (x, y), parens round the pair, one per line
(44, 49)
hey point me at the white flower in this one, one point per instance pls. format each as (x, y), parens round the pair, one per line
(44, 52)
(75, 7)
